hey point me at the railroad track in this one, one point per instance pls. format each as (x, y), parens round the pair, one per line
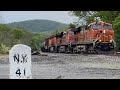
(90, 52)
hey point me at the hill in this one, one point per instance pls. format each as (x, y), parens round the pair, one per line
(38, 25)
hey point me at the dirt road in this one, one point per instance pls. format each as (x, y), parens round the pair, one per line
(69, 66)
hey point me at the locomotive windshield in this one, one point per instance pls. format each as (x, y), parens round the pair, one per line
(106, 26)
(96, 26)
(70, 32)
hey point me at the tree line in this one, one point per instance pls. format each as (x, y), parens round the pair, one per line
(11, 36)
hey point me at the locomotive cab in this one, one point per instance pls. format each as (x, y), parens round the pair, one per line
(104, 30)
(103, 36)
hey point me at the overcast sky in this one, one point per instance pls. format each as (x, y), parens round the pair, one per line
(15, 16)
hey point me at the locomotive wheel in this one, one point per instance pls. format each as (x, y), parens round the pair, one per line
(52, 49)
(66, 49)
(73, 50)
(58, 49)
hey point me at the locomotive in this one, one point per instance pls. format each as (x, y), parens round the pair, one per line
(95, 38)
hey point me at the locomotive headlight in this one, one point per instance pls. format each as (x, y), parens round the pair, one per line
(99, 40)
(110, 40)
(104, 31)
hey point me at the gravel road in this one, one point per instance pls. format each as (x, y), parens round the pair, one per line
(69, 66)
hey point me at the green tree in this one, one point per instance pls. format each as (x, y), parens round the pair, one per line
(26, 38)
(17, 34)
(5, 34)
(108, 16)
(60, 30)
(4, 27)
(116, 27)
(88, 16)
(37, 40)
(71, 25)
(4, 38)
(83, 16)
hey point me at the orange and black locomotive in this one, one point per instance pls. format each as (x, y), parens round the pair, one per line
(97, 37)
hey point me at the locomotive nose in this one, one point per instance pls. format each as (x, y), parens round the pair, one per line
(103, 31)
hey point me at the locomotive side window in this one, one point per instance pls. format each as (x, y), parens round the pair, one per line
(96, 26)
(89, 27)
(106, 26)
(70, 32)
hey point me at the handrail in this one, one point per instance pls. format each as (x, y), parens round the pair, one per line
(96, 41)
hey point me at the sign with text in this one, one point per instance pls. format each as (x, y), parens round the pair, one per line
(20, 62)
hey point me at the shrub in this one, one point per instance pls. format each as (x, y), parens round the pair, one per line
(4, 49)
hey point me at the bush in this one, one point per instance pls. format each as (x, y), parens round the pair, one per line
(116, 27)
(37, 40)
(4, 49)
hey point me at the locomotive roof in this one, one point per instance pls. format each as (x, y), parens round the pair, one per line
(52, 36)
(74, 29)
(101, 22)
(78, 29)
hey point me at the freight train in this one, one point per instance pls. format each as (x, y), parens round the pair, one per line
(95, 38)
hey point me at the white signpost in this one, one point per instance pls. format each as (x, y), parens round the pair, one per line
(20, 62)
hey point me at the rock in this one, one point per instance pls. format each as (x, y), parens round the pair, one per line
(35, 53)
(59, 77)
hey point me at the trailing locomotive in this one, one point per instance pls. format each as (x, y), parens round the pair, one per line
(95, 38)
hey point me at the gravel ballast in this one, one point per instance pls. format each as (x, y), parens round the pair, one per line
(69, 66)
